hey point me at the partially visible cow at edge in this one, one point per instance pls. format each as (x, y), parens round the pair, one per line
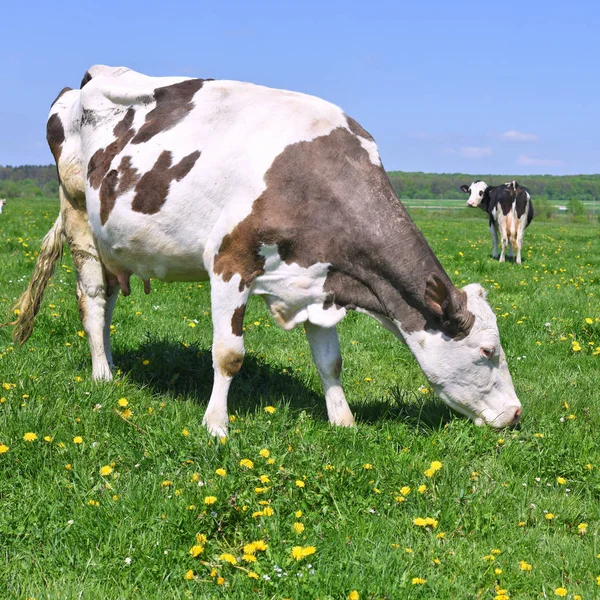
(261, 191)
(510, 211)
(2, 203)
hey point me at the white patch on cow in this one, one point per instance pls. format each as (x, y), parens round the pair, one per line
(476, 189)
(470, 383)
(2, 203)
(295, 294)
(371, 147)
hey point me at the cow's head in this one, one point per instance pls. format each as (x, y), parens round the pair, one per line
(468, 372)
(476, 191)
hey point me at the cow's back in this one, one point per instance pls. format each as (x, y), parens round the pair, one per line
(172, 165)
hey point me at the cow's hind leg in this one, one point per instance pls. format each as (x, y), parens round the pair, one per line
(228, 308)
(521, 224)
(494, 240)
(91, 286)
(325, 349)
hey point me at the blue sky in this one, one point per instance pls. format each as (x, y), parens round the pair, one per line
(508, 87)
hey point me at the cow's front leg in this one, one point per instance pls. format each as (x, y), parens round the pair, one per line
(91, 285)
(494, 240)
(325, 349)
(228, 308)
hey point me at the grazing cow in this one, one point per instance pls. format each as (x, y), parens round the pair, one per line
(2, 203)
(510, 211)
(264, 192)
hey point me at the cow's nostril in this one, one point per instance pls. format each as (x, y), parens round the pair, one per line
(517, 416)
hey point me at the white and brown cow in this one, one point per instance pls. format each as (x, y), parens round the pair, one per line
(509, 210)
(264, 192)
(2, 203)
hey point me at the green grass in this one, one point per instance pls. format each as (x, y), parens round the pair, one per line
(492, 493)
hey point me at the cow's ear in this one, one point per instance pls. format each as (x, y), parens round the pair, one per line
(465, 188)
(436, 296)
(449, 308)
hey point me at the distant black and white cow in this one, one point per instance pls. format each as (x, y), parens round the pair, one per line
(261, 191)
(510, 211)
(2, 203)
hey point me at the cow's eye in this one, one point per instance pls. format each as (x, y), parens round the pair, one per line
(481, 192)
(487, 352)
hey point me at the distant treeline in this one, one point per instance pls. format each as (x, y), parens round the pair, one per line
(32, 180)
(554, 188)
(28, 181)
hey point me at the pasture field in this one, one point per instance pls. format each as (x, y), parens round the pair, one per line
(108, 490)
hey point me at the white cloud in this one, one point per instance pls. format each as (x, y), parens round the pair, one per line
(538, 162)
(475, 151)
(518, 136)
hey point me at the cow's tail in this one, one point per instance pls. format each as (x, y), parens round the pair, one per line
(27, 306)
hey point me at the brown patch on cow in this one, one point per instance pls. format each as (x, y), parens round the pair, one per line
(55, 135)
(325, 201)
(337, 367)
(153, 187)
(117, 182)
(173, 103)
(237, 320)
(63, 91)
(101, 159)
(357, 129)
(86, 79)
(228, 361)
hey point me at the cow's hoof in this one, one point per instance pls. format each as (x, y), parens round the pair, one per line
(215, 429)
(344, 421)
(102, 373)
(501, 259)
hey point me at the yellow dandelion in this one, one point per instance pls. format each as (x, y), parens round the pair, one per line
(298, 514)
(48, 438)
(268, 511)
(270, 409)
(252, 575)
(210, 500)
(265, 453)
(185, 432)
(230, 558)
(298, 527)
(122, 402)
(421, 489)
(299, 483)
(106, 470)
(189, 575)
(249, 558)
(30, 436)
(4, 448)
(247, 463)
(561, 480)
(560, 591)
(549, 516)
(78, 439)
(69, 467)
(418, 581)
(166, 483)
(264, 479)
(367, 466)
(298, 552)
(196, 550)
(524, 566)
(353, 595)
(582, 528)
(221, 472)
